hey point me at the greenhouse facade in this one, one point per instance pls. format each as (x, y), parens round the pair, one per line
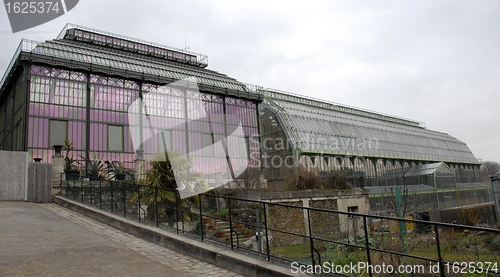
(80, 86)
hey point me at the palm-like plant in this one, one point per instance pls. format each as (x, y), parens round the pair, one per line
(161, 181)
(117, 171)
(93, 167)
(69, 162)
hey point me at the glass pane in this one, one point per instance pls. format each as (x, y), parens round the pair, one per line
(58, 132)
(115, 138)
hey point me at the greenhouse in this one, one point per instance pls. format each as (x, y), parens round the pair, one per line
(324, 136)
(83, 86)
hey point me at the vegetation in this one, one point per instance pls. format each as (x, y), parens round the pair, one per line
(160, 182)
(94, 167)
(69, 161)
(117, 171)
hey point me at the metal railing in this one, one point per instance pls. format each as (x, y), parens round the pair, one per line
(306, 238)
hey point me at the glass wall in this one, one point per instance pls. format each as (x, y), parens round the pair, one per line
(215, 131)
(12, 116)
(56, 111)
(109, 128)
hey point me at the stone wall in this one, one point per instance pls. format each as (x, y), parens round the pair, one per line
(325, 225)
(286, 219)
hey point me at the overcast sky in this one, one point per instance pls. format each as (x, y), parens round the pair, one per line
(431, 61)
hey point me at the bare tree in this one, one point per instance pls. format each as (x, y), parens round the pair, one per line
(490, 168)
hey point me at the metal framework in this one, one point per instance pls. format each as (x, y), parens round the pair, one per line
(86, 79)
(306, 240)
(316, 133)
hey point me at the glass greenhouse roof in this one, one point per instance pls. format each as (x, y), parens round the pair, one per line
(92, 36)
(109, 51)
(330, 130)
(81, 52)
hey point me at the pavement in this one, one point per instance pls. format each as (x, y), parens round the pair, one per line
(49, 240)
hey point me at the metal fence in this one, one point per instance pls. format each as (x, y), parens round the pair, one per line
(307, 239)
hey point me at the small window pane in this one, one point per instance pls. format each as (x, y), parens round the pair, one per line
(207, 143)
(58, 132)
(115, 138)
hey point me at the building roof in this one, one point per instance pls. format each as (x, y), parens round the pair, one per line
(82, 48)
(316, 126)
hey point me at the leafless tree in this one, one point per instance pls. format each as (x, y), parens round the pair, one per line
(250, 179)
(490, 168)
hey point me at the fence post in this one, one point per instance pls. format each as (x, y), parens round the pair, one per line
(230, 222)
(156, 206)
(441, 268)
(139, 202)
(91, 195)
(310, 238)
(100, 194)
(367, 244)
(177, 213)
(67, 186)
(111, 188)
(201, 219)
(124, 201)
(74, 189)
(267, 237)
(61, 184)
(82, 188)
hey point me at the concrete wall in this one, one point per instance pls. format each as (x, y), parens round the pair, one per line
(353, 225)
(40, 182)
(23, 181)
(13, 167)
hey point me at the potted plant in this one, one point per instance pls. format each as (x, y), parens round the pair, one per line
(70, 168)
(248, 233)
(93, 168)
(224, 214)
(221, 234)
(211, 227)
(228, 239)
(117, 171)
(206, 220)
(239, 225)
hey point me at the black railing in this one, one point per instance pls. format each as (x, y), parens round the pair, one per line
(306, 238)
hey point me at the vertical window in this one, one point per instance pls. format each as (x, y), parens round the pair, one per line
(115, 138)
(207, 144)
(58, 132)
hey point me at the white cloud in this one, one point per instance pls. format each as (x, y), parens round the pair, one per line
(432, 61)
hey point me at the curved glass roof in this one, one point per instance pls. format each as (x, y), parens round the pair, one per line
(320, 129)
(97, 55)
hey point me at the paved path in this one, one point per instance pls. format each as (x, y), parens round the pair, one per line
(49, 240)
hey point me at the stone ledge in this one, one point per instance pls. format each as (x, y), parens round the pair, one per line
(234, 261)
